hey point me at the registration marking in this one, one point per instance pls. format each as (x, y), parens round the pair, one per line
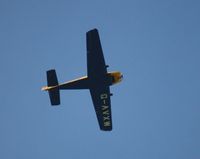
(105, 110)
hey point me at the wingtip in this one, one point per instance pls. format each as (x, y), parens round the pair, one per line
(95, 29)
(92, 30)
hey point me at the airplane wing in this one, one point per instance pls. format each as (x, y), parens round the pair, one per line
(97, 71)
(95, 58)
(102, 105)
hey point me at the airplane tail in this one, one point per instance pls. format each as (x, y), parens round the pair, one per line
(52, 88)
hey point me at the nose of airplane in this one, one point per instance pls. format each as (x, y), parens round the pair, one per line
(121, 77)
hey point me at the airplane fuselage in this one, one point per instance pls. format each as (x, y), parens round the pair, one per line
(85, 82)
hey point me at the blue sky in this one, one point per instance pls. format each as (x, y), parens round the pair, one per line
(156, 107)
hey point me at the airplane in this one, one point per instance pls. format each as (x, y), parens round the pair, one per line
(98, 81)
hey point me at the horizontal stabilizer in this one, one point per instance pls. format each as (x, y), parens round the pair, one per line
(54, 96)
(54, 93)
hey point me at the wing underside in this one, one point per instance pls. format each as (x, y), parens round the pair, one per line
(97, 72)
(95, 59)
(102, 105)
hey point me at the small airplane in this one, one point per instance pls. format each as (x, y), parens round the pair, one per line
(98, 81)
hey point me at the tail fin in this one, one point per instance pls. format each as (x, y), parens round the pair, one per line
(54, 92)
